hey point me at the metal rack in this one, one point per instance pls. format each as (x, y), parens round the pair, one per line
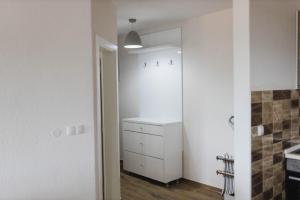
(228, 174)
(219, 172)
(224, 159)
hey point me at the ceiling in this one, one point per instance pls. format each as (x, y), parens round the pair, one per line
(158, 13)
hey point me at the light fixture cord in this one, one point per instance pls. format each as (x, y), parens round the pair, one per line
(132, 21)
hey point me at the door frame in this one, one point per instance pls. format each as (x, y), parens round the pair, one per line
(100, 43)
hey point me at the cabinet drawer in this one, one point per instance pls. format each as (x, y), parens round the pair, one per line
(149, 145)
(153, 146)
(154, 168)
(143, 165)
(134, 163)
(132, 141)
(143, 128)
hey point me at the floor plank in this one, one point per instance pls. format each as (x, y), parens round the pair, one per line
(138, 188)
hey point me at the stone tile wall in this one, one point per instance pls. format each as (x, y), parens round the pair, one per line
(278, 112)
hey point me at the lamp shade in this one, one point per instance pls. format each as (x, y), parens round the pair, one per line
(133, 40)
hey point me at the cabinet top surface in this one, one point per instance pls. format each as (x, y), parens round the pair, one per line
(151, 121)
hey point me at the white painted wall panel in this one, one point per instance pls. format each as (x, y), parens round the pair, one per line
(207, 95)
(242, 99)
(273, 44)
(46, 83)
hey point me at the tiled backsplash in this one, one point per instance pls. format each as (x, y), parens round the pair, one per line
(278, 112)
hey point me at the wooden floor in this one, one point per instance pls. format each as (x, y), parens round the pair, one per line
(137, 188)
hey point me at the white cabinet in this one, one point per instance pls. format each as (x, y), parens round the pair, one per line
(134, 163)
(153, 148)
(145, 144)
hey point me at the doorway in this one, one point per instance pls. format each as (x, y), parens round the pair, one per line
(243, 172)
(107, 147)
(205, 48)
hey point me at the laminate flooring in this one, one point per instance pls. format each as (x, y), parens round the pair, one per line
(134, 187)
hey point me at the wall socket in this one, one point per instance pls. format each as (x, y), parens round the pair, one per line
(260, 130)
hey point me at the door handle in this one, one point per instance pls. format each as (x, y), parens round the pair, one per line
(142, 147)
(231, 121)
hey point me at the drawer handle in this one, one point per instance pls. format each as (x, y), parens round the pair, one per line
(142, 147)
(294, 178)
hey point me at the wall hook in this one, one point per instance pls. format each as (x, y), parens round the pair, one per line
(145, 64)
(171, 62)
(157, 64)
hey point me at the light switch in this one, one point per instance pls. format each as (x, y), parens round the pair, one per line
(71, 130)
(80, 129)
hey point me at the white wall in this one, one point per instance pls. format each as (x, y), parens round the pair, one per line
(104, 19)
(162, 83)
(273, 44)
(46, 83)
(160, 87)
(207, 95)
(242, 99)
(129, 71)
(171, 36)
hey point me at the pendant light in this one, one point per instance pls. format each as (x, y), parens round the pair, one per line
(132, 40)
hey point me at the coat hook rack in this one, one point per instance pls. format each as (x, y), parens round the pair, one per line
(157, 64)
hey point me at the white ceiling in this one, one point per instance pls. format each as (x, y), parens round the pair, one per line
(156, 13)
